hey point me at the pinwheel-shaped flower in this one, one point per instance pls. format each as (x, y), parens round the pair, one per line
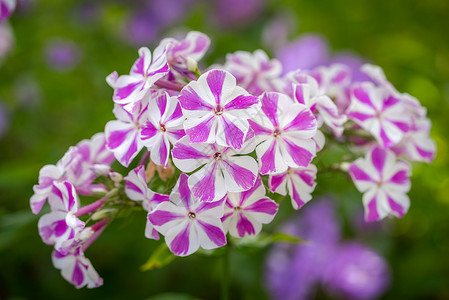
(164, 126)
(245, 212)
(188, 223)
(61, 225)
(379, 112)
(136, 188)
(123, 134)
(220, 169)
(284, 131)
(129, 89)
(298, 183)
(306, 91)
(194, 46)
(254, 72)
(76, 269)
(217, 110)
(384, 182)
(6, 8)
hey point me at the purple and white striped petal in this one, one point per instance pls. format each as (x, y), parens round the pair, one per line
(76, 269)
(193, 46)
(384, 182)
(379, 112)
(129, 89)
(47, 175)
(298, 183)
(188, 223)
(255, 72)
(284, 130)
(217, 110)
(123, 135)
(6, 8)
(245, 212)
(218, 169)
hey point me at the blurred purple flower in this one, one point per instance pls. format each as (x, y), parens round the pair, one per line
(235, 13)
(356, 272)
(293, 271)
(307, 52)
(62, 55)
(351, 270)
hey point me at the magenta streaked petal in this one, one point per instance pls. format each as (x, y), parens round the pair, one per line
(161, 217)
(190, 100)
(215, 235)
(371, 213)
(240, 173)
(244, 226)
(259, 129)
(270, 107)
(203, 131)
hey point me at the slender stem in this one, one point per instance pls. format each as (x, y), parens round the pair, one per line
(98, 229)
(90, 208)
(169, 85)
(226, 273)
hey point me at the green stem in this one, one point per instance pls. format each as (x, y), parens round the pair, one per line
(226, 273)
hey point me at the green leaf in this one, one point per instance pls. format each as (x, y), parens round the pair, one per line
(159, 258)
(262, 240)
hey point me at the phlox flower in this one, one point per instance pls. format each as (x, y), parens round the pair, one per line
(76, 269)
(187, 223)
(193, 46)
(217, 110)
(299, 183)
(378, 111)
(384, 182)
(6, 8)
(164, 126)
(417, 144)
(284, 132)
(306, 91)
(136, 188)
(255, 72)
(245, 212)
(123, 134)
(218, 169)
(61, 225)
(130, 89)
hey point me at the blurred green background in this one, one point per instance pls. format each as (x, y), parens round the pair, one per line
(51, 109)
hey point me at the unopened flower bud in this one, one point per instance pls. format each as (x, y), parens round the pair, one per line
(116, 177)
(101, 169)
(192, 65)
(104, 213)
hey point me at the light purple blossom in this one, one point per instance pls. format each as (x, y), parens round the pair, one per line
(76, 269)
(356, 272)
(62, 55)
(245, 212)
(384, 182)
(136, 188)
(236, 13)
(219, 169)
(284, 132)
(187, 223)
(130, 89)
(255, 72)
(163, 126)
(6, 8)
(6, 40)
(123, 134)
(217, 110)
(298, 183)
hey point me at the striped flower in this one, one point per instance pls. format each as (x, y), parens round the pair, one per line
(284, 132)
(188, 223)
(384, 182)
(217, 110)
(6, 8)
(299, 183)
(245, 212)
(130, 89)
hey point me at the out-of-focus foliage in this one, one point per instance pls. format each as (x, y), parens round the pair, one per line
(52, 108)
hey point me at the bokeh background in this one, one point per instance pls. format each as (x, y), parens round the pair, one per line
(53, 94)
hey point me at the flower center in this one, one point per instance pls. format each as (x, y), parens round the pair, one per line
(217, 155)
(192, 215)
(218, 110)
(237, 208)
(276, 132)
(162, 126)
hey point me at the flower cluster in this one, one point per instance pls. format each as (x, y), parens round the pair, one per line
(227, 136)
